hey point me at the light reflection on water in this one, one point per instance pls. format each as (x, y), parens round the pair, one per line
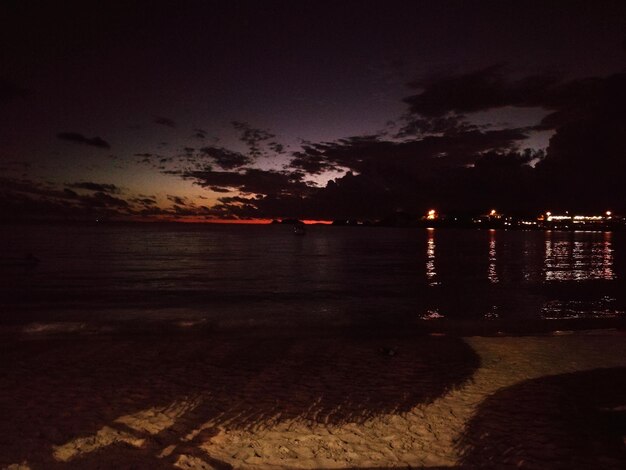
(431, 274)
(580, 257)
(492, 272)
(551, 263)
(251, 273)
(574, 256)
(603, 307)
(567, 256)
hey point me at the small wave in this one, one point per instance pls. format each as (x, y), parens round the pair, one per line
(191, 323)
(604, 307)
(432, 314)
(55, 327)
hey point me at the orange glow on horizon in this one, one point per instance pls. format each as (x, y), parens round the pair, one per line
(236, 221)
(203, 220)
(262, 221)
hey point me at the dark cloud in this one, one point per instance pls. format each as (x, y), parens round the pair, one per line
(585, 161)
(146, 157)
(164, 121)
(443, 101)
(236, 200)
(382, 176)
(28, 205)
(181, 209)
(218, 189)
(70, 193)
(376, 195)
(480, 90)
(582, 168)
(311, 160)
(352, 152)
(101, 199)
(81, 139)
(226, 159)
(22, 199)
(349, 196)
(31, 187)
(249, 181)
(181, 201)
(439, 157)
(199, 133)
(144, 201)
(254, 138)
(276, 147)
(89, 186)
(371, 154)
(418, 126)
(584, 98)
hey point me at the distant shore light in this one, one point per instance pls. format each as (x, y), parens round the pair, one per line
(432, 214)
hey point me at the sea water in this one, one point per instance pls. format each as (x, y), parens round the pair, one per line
(265, 275)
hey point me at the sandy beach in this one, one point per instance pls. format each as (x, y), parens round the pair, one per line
(335, 398)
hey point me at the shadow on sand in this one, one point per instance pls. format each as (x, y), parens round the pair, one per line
(62, 389)
(575, 420)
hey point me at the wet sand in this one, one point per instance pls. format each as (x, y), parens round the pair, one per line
(337, 398)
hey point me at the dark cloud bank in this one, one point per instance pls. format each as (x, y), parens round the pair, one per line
(77, 138)
(164, 121)
(27, 199)
(89, 186)
(438, 158)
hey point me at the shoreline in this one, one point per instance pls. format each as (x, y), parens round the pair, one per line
(195, 325)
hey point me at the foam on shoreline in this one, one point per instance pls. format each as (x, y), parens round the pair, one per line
(197, 325)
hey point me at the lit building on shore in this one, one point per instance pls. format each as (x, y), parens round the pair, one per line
(577, 221)
(432, 215)
(495, 219)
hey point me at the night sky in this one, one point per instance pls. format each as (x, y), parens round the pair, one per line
(191, 110)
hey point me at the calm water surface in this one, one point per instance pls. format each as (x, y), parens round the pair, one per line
(265, 274)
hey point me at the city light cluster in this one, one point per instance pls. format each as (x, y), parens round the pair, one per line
(565, 220)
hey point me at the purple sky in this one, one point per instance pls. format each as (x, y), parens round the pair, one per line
(187, 103)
